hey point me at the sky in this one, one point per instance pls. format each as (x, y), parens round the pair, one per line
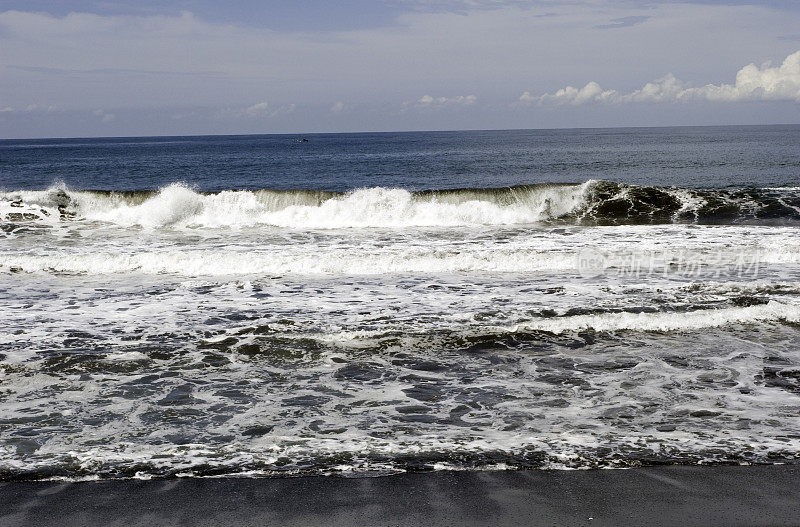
(81, 68)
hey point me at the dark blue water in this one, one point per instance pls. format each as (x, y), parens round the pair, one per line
(706, 157)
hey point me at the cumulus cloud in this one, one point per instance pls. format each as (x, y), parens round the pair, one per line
(461, 100)
(592, 92)
(667, 88)
(753, 83)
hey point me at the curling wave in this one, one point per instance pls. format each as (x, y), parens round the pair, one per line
(590, 203)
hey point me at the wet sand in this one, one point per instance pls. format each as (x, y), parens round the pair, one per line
(673, 495)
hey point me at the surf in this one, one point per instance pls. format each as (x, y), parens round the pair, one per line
(595, 202)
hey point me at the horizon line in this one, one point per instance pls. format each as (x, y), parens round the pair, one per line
(397, 131)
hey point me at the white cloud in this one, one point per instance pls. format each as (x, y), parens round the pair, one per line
(338, 107)
(29, 108)
(667, 88)
(460, 100)
(753, 83)
(592, 92)
(257, 109)
(264, 109)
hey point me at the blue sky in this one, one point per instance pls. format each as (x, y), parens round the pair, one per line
(95, 68)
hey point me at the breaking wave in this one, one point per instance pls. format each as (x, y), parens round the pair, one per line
(590, 203)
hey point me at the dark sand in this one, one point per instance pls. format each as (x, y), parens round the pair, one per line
(761, 495)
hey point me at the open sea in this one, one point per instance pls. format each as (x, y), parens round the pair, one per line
(365, 304)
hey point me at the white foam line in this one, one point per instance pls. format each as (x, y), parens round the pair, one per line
(694, 320)
(335, 262)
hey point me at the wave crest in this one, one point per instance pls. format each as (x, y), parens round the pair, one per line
(590, 203)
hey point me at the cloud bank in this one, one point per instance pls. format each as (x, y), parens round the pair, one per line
(753, 83)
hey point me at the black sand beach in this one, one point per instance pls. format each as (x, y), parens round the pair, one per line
(669, 495)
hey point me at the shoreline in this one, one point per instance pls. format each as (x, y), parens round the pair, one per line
(662, 495)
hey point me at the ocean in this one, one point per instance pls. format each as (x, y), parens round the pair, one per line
(367, 304)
